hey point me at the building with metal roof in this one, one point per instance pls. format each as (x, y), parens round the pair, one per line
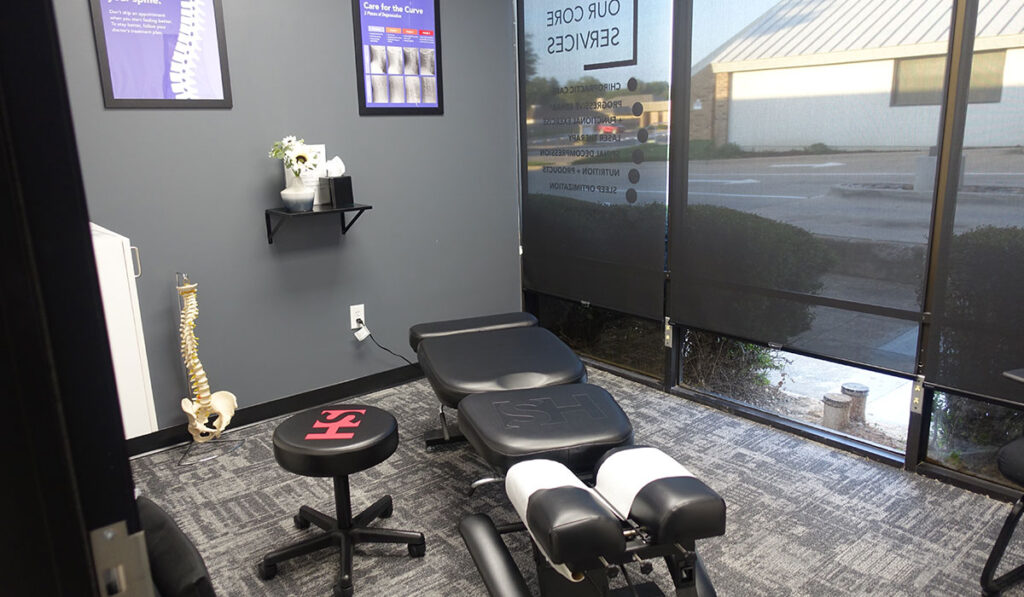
(857, 74)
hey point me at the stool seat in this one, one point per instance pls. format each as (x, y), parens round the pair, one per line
(574, 424)
(496, 360)
(340, 439)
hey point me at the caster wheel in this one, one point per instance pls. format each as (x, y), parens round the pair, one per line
(417, 550)
(387, 512)
(267, 571)
(342, 590)
(300, 522)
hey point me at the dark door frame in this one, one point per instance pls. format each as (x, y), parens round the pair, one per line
(68, 468)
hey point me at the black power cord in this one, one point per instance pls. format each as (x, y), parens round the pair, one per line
(384, 348)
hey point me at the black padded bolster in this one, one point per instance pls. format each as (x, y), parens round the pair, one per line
(679, 510)
(571, 527)
(485, 323)
(501, 576)
(573, 424)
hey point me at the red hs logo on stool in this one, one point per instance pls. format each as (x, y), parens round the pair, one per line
(335, 420)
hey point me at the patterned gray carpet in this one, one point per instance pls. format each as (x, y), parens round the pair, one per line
(803, 519)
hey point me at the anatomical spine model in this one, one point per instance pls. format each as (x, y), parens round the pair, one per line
(223, 403)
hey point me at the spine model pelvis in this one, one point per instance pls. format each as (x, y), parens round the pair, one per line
(219, 406)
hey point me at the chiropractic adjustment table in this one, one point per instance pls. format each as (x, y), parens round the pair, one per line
(493, 353)
(524, 406)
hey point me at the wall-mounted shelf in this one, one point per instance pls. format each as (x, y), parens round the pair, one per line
(278, 216)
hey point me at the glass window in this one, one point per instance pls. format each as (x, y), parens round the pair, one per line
(808, 208)
(866, 405)
(977, 318)
(918, 81)
(966, 435)
(594, 115)
(625, 341)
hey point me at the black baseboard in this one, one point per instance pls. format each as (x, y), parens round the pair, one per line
(171, 436)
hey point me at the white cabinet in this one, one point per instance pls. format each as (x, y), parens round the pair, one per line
(116, 272)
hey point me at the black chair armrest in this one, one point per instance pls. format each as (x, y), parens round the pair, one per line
(174, 562)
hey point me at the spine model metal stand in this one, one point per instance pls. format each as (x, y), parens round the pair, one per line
(203, 408)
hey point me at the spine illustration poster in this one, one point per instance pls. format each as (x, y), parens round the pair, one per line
(399, 55)
(168, 50)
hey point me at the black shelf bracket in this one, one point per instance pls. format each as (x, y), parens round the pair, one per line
(275, 218)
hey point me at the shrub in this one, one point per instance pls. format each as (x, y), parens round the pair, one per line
(762, 253)
(819, 148)
(979, 324)
(623, 340)
(706, 150)
(554, 225)
(980, 318)
(727, 245)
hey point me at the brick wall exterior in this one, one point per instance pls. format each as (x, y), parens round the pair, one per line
(720, 127)
(702, 87)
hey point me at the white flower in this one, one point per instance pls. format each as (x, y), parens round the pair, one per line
(289, 140)
(301, 158)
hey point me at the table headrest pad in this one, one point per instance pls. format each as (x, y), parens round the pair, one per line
(501, 321)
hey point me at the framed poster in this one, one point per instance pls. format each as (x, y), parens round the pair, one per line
(161, 53)
(398, 56)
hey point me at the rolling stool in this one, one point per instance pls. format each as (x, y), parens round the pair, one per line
(336, 441)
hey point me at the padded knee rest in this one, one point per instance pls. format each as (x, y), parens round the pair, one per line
(572, 424)
(564, 517)
(491, 361)
(658, 493)
(486, 323)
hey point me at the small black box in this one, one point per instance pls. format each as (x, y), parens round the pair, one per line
(339, 189)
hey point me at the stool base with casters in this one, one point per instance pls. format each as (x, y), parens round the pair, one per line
(344, 532)
(994, 586)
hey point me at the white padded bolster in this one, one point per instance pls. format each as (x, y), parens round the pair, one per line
(530, 476)
(623, 474)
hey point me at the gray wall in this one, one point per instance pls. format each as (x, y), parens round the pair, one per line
(189, 187)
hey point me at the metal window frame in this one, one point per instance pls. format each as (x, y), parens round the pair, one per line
(950, 137)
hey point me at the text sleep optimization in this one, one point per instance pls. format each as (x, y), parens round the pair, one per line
(578, 186)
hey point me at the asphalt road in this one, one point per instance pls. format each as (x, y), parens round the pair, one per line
(800, 190)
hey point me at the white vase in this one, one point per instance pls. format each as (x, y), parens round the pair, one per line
(297, 196)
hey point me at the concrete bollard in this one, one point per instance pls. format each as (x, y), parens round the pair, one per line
(836, 413)
(859, 393)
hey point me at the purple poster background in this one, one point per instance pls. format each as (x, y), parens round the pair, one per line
(162, 49)
(399, 53)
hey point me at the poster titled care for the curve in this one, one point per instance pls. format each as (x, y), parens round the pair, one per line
(165, 50)
(400, 63)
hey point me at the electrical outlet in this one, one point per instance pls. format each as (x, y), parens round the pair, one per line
(356, 312)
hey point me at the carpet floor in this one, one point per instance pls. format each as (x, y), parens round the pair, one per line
(803, 518)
